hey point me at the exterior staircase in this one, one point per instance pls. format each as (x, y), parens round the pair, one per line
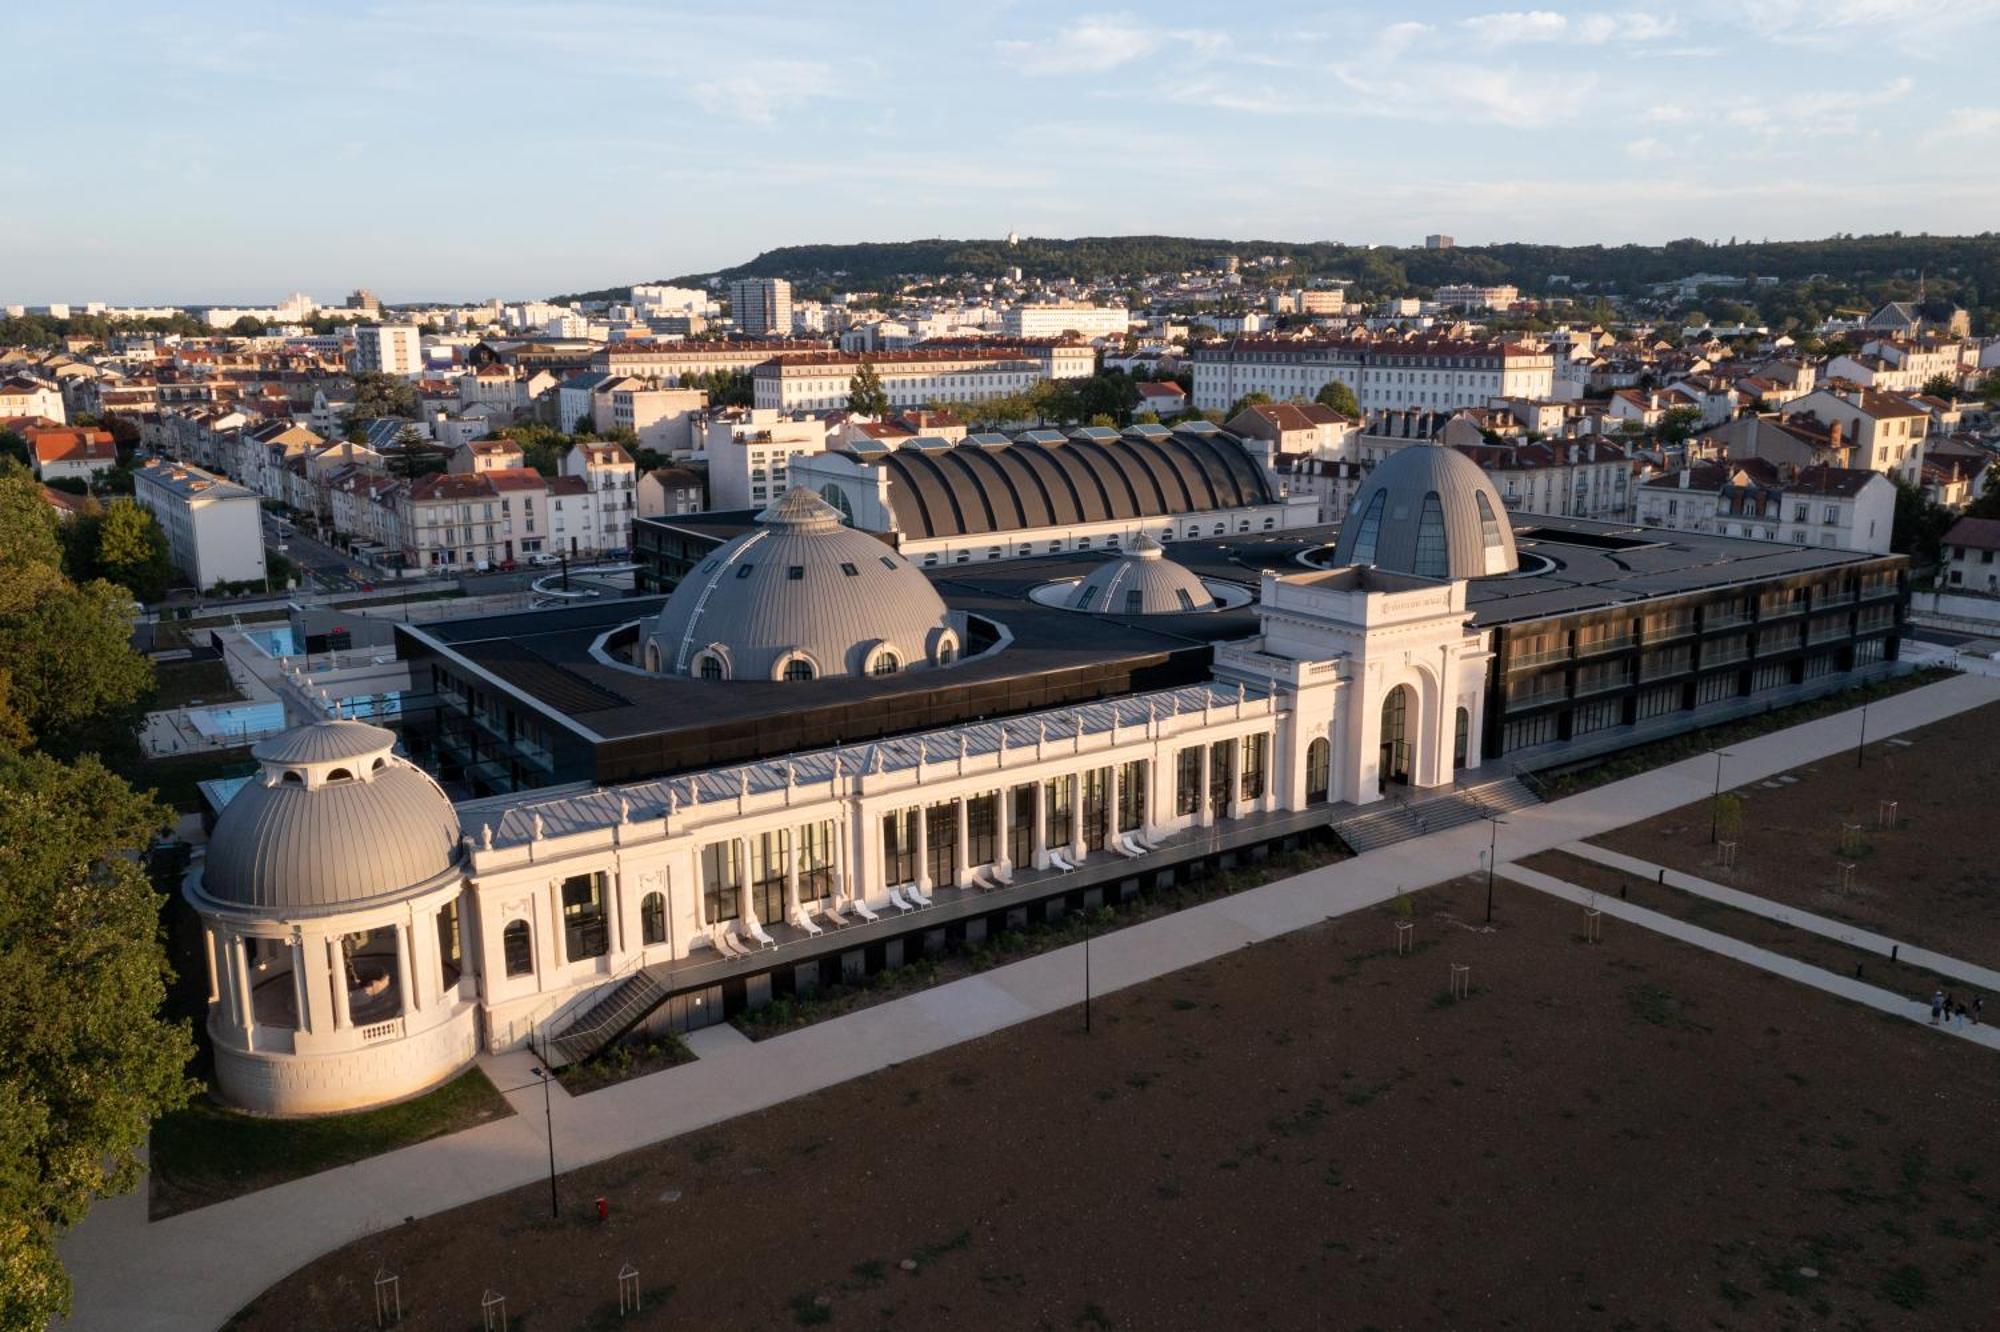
(629, 1001)
(1397, 820)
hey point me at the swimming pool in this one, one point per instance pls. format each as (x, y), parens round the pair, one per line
(276, 642)
(240, 722)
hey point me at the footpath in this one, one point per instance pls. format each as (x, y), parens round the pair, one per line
(192, 1272)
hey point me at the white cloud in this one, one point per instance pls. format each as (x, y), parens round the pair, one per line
(1547, 25)
(777, 86)
(1100, 42)
(1668, 114)
(1966, 122)
(1518, 25)
(1398, 38)
(1647, 150)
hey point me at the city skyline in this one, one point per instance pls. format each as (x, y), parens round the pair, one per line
(234, 154)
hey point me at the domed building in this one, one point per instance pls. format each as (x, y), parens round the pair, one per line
(801, 598)
(1431, 511)
(329, 901)
(1142, 582)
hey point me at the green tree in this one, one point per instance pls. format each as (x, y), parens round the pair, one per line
(12, 445)
(249, 326)
(865, 395)
(1244, 404)
(86, 1062)
(377, 395)
(1919, 525)
(1340, 398)
(1943, 386)
(1679, 424)
(1987, 505)
(132, 550)
(412, 454)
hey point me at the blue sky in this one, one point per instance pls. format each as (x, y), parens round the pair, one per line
(426, 149)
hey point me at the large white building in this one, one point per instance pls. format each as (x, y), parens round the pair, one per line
(750, 451)
(1389, 375)
(388, 349)
(1066, 319)
(915, 378)
(761, 307)
(1845, 508)
(214, 527)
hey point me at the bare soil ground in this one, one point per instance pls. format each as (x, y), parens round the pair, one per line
(1306, 1133)
(1932, 880)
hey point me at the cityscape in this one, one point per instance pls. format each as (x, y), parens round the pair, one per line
(855, 715)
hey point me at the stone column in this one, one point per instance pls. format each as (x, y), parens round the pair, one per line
(1112, 790)
(301, 999)
(406, 985)
(247, 1023)
(964, 870)
(318, 1015)
(1204, 815)
(791, 876)
(745, 908)
(1041, 833)
(336, 957)
(923, 850)
(1077, 850)
(1003, 811)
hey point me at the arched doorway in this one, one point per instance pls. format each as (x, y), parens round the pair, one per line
(1395, 764)
(1319, 764)
(1461, 738)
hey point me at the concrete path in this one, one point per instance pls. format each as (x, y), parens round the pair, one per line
(193, 1271)
(1871, 996)
(1844, 931)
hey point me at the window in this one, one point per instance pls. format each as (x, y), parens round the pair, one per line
(945, 655)
(816, 861)
(849, 570)
(517, 946)
(743, 570)
(1461, 737)
(584, 934)
(1058, 800)
(941, 842)
(982, 829)
(888, 563)
(1088, 595)
(885, 663)
(708, 666)
(1132, 796)
(1319, 769)
(1135, 601)
(1021, 831)
(720, 863)
(769, 858)
(1433, 560)
(1255, 750)
(795, 574)
(798, 668)
(1220, 773)
(899, 847)
(653, 918)
(1366, 532)
(449, 962)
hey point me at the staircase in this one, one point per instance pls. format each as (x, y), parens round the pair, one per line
(1393, 821)
(606, 1020)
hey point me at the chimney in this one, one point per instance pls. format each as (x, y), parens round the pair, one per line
(1687, 475)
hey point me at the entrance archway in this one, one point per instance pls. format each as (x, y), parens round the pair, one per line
(1395, 764)
(1319, 768)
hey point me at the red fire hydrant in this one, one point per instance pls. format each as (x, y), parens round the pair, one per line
(603, 1210)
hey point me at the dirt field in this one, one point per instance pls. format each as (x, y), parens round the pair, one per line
(1307, 1133)
(1932, 880)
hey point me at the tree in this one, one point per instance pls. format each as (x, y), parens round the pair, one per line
(1987, 504)
(865, 395)
(86, 1061)
(414, 454)
(1340, 398)
(1943, 386)
(132, 550)
(12, 445)
(1244, 404)
(378, 395)
(1919, 525)
(1678, 424)
(248, 326)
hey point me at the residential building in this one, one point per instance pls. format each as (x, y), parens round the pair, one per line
(21, 395)
(1386, 374)
(1843, 508)
(1296, 428)
(1576, 478)
(1469, 296)
(671, 362)
(750, 452)
(761, 307)
(661, 418)
(1029, 323)
(214, 527)
(485, 455)
(388, 349)
(1970, 551)
(670, 491)
(969, 373)
(74, 453)
(1163, 398)
(1886, 432)
(605, 477)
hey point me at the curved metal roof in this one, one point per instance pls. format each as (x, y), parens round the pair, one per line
(1142, 582)
(324, 742)
(1043, 480)
(801, 583)
(1431, 511)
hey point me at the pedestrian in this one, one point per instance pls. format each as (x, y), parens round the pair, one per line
(1978, 1007)
(1937, 1006)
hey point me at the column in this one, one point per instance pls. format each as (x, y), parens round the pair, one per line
(923, 851)
(318, 1014)
(840, 851)
(1111, 792)
(791, 875)
(336, 957)
(239, 960)
(964, 871)
(301, 998)
(1204, 815)
(405, 979)
(745, 909)
(1077, 850)
(1003, 805)
(1041, 833)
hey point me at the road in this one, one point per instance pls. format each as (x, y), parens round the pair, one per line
(324, 568)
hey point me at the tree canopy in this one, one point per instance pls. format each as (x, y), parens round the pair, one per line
(1245, 403)
(122, 543)
(865, 394)
(377, 395)
(1340, 398)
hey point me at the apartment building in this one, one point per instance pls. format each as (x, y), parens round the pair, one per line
(1578, 478)
(213, 526)
(668, 362)
(604, 475)
(1393, 374)
(761, 307)
(667, 492)
(1885, 432)
(70, 453)
(1844, 508)
(388, 349)
(662, 418)
(914, 378)
(1065, 319)
(1468, 296)
(1970, 548)
(750, 451)
(21, 395)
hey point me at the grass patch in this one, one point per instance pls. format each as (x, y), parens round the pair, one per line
(1906, 1287)
(206, 1153)
(176, 781)
(1657, 1005)
(807, 1311)
(179, 683)
(621, 1060)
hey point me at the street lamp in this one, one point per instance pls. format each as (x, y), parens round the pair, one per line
(548, 1120)
(1492, 855)
(1715, 799)
(1861, 745)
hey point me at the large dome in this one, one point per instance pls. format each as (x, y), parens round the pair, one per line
(800, 598)
(1431, 511)
(1141, 582)
(334, 819)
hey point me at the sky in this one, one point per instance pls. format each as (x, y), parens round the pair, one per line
(227, 152)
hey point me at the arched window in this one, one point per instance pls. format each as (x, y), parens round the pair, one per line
(340, 775)
(653, 657)
(798, 668)
(1433, 557)
(1368, 529)
(293, 778)
(1489, 532)
(1319, 768)
(1461, 737)
(517, 946)
(885, 663)
(708, 666)
(653, 918)
(945, 655)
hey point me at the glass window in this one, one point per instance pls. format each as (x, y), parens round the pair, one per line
(899, 847)
(768, 862)
(720, 862)
(1432, 558)
(1132, 796)
(653, 918)
(709, 667)
(1369, 529)
(1187, 781)
(816, 861)
(449, 962)
(982, 820)
(1096, 813)
(941, 842)
(1057, 798)
(1319, 768)
(1021, 832)
(798, 668)
(584, 933)
(1256, 749)
(517, 946)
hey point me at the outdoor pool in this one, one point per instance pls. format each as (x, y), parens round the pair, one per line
(276, 642)
(242, 721)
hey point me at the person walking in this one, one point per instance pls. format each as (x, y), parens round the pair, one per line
(1978, 1007)
(1937, 1006)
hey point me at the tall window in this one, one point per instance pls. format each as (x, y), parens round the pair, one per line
(798, 668)
(1021, 832)
(653, 918)
(1256, 751)
(1187, 781)
(1432, 558)
(517, 947)
(1221, 771)
(816, 861)
(1369, 529)
(982, 820)
(1461, 737)
(1132, 796)
(584, 935)
(1096, 816)
(941, 842)
(1057, 799)
(899, 847)
(449, 962)
(1319, 768)
(721, 900)
(767, 873)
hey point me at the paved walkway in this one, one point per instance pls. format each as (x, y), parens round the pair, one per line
(193, 1271)
(1871, 996)
(1844, 931)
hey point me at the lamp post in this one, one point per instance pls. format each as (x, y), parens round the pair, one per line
(1861, 745)
(548, 1121)
(1086, 975)
(1492, 855)
(1715, 800)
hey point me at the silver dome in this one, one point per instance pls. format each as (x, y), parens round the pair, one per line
(1143, 581)
(334, 820)
(801, 593)
(1431, 511)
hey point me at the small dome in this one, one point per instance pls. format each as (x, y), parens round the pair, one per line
(1431, 511)
(800, 598)
(1143, 581)
(335, 819)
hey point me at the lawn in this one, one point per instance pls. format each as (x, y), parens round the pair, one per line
(1311, 1133)
(206, 1153)
(183, 682)
(176, 780)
